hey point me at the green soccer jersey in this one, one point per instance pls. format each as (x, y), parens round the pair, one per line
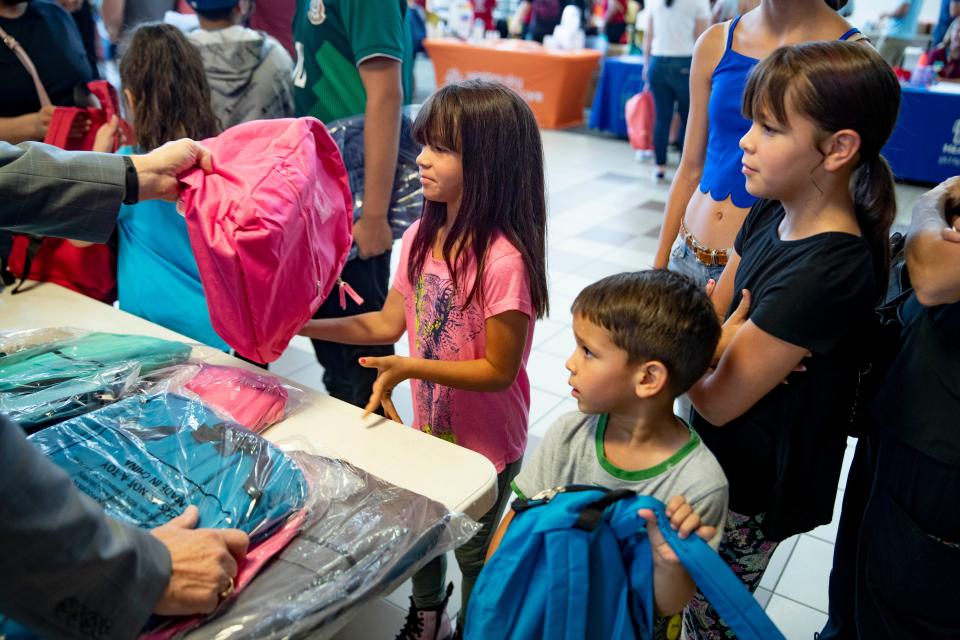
(332, 37)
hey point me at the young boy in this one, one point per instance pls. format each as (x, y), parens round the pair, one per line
(643, 339)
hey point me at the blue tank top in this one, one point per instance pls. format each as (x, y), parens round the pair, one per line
(721, 169)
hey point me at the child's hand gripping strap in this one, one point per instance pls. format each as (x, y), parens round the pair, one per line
(721, 587)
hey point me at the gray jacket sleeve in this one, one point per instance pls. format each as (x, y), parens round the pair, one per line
(69, 571)
(66, 194)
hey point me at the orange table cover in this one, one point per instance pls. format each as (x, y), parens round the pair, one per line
(553, 83)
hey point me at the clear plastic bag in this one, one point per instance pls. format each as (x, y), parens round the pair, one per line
(254, 399)
(49, 375)
(146, 458)
(364, 539)
(406, 201)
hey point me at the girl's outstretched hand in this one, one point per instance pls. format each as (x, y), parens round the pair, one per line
(683, 519)
(392, 370)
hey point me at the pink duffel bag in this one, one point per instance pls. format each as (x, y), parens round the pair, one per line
(270, 227)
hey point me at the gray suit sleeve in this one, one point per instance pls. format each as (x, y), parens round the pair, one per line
(65, 194)
(69, 571)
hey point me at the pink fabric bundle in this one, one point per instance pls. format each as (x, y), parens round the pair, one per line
(270, 227)
(253, 400)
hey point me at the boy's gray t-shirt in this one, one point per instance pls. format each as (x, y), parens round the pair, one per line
(572, 453)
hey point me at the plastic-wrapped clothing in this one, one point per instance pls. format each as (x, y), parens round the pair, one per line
(53, 381)
(370, 537)
(16, 341)
(251, 399)
(146, 458)
(406, 201)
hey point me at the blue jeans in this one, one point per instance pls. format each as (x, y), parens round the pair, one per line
(683, 260)
(670, 83)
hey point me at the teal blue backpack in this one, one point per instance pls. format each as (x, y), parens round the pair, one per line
(577, 564)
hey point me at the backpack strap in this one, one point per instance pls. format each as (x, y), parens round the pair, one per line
(58, 133)
(721, 587)
(25, 60)
(33, 246)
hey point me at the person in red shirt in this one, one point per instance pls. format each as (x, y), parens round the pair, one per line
(614, 20)
(949, 54)
(483, 10)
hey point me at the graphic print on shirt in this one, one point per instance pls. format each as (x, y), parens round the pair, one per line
(439, 317)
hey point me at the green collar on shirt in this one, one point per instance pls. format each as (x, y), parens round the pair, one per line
(643, 474)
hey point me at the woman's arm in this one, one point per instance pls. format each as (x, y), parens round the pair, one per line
(377, 327)
(706, 55)
(29, 126)
(506, 337)
(112, 13)
(647, 45)
(753, 364)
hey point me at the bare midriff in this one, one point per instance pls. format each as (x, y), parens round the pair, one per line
(714, 224)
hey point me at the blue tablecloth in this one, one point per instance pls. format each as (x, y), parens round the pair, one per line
(620, 80)
(925, 145)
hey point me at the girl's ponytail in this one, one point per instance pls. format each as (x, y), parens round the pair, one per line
(875, 203)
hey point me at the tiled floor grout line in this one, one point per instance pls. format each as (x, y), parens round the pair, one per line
(786, 564)
(795, 601)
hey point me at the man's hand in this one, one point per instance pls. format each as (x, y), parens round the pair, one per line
(204, 564)
(372, 236)
(392, 370)
(683, 519)
(158, 170)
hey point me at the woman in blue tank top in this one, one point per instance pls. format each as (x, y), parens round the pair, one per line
(708, 200)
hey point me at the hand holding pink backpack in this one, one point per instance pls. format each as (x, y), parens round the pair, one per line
(270, 227)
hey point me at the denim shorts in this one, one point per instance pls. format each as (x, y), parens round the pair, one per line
(683, 260)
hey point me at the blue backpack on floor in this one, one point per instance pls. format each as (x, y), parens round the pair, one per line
(577, 564)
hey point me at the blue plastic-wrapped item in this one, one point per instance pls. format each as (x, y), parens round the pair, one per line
(146, 458)
(363, 539)
(49, 375)
(406, 201)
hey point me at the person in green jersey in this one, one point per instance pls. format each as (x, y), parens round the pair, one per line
(350, 57)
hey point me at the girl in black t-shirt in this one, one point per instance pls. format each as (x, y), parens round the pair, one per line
(809, 264)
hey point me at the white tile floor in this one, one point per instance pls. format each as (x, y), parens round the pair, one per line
(605, 213)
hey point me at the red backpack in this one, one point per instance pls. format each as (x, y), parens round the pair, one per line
(91, 270)
(270, 227)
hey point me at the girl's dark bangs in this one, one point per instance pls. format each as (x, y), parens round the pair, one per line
(436, 123)
(765, 95)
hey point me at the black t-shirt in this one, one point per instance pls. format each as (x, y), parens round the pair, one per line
(919, 401)
(49, 36)
(783, 456)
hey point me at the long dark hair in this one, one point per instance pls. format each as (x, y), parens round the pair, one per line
(496, 135)
(840, 85)
(165, 74)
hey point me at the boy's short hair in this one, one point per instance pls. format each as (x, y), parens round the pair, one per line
(656, 315)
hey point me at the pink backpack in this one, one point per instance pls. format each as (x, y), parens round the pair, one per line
(270, 227)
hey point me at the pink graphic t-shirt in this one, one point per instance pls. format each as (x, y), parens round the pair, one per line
(440, 327)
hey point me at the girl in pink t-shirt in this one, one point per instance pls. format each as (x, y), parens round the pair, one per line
(470, 285)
